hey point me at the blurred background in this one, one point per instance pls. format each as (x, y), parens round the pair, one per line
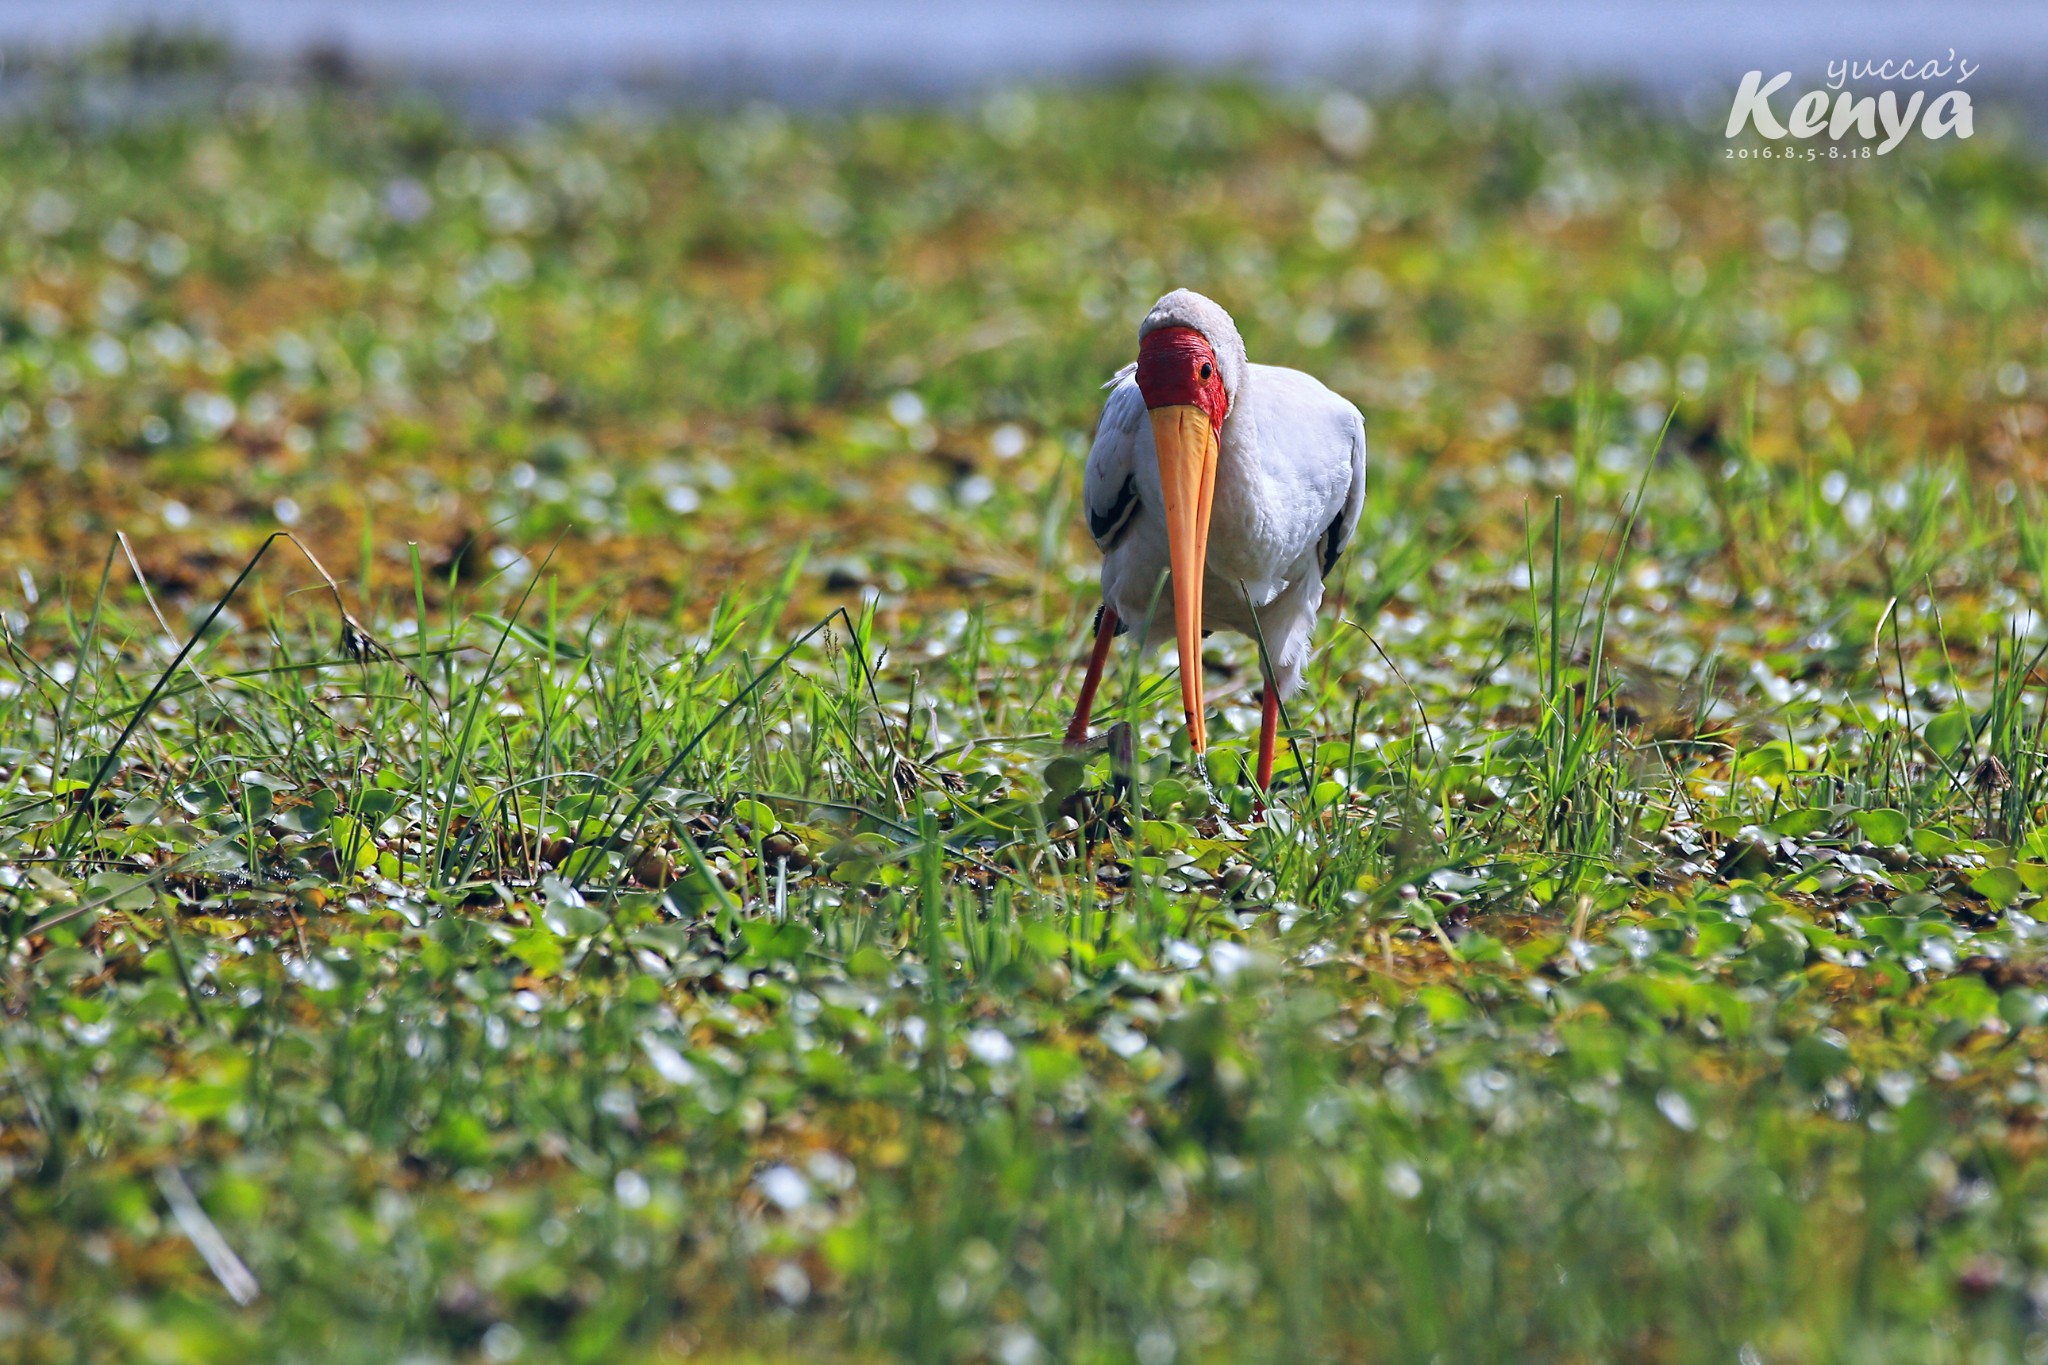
(813, 51)
(728, 279)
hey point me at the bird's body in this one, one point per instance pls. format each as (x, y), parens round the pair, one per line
(1263, 500)
(1290, 481)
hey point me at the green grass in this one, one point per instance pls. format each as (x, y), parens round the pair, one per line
(606, 887)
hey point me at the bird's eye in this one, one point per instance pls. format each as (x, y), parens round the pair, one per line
(1205, 369)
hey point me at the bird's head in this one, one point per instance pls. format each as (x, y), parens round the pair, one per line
(1191, 366)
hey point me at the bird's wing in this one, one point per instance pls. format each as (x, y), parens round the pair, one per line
(1109, 489)
(1345, 524)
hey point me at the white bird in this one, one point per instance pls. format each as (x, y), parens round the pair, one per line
(1244, 486)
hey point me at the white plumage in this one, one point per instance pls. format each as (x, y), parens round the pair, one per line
(1288, 486)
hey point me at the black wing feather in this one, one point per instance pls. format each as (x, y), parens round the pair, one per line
(1345, 524)
(1334, 541)
(1109, 525)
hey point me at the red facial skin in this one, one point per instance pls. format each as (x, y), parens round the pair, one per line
(1176, 365)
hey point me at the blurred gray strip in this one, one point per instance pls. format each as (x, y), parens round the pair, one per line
(213, 1248)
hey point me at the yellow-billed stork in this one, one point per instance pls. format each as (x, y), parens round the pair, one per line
(1241, 482)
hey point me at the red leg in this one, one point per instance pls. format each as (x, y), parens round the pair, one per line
(1269, 730)
(1105, 631)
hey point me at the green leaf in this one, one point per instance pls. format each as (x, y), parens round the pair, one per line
(1332, 753)
(1999, 885)
(1932, 843)
(1227, 767)
(1948, 731)
(311, 817)
(258, 801)
(571, 918)
(202, 1100)
(1715, 936)
(127, 892)
(460, 1136)
(1161, 834)
(354, 847)
(1164, 795)
(1802, 824)
(586, 862)
(1884, 827)
(539, 949)
(758, 817)
(1052, 1067)
(1013, 815)
(672, 941)
(142, 810)
(1064, 776)
(588, 815)
(2023, 1009)
(1816, 1057)
(776, 942)
(1445, 1006)
(868, 963)
(374, 803)
(202, 798)
(1962, 997)
(1478, 947)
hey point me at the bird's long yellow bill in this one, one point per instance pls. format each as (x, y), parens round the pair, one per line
(1186, 444)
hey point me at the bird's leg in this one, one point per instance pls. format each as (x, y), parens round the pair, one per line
(1269, 729)
(1105, 631)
